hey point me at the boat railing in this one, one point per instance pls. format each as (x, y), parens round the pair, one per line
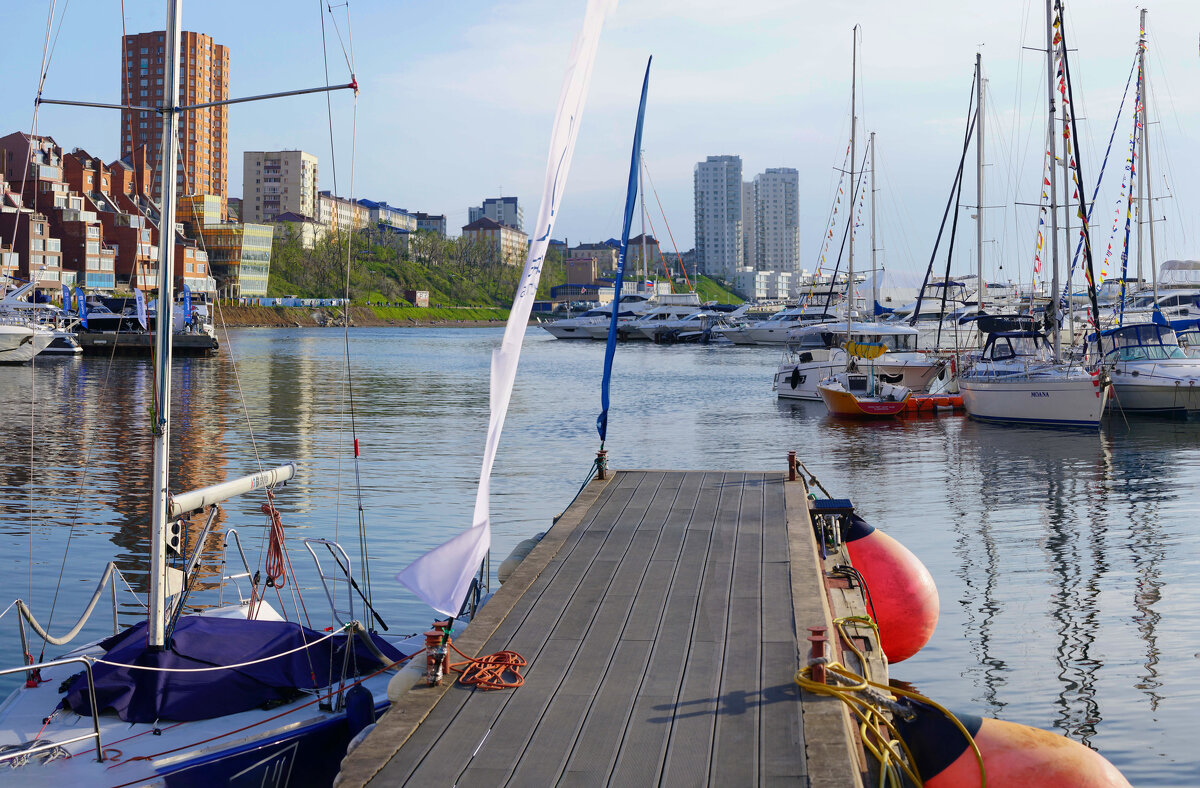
(231, 533)
(22, 751)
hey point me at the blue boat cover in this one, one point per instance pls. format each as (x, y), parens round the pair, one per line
(201, 642)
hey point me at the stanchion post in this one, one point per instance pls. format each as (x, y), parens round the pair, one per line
(791, 466)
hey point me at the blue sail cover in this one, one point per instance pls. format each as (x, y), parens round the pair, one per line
(202, 642)
(630, 200)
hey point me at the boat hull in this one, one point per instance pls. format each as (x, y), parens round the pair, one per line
(843, 403)
(1077, 401)
(19, 344)
(1174, 398)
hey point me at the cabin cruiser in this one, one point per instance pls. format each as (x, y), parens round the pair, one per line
(43, 316)
(820, 351)
(19, 341)
(699, 326)
(774, 330)
(1151, 373)
(668, 306)
(575, 327)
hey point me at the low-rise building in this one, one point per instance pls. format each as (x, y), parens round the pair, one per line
(510, 243)
(305, 229)
(240, 257)
(604, 255)
(434, 223)
(581, 270)
(340, 214)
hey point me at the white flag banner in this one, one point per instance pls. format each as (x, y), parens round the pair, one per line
(442, 577)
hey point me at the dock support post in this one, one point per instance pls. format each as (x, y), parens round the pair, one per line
(791, 466)
(602, 464)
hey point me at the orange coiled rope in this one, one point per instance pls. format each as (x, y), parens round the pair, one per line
(276, 574)
(501, 670)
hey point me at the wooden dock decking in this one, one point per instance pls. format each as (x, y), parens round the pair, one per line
(660, 619)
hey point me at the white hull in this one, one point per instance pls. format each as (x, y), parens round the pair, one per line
(570, 328)
(1163, 387)
(910, 370)
(1047, 398)
(19, 344)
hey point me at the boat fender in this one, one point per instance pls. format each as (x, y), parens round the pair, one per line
(795, 378)
(510, 564)
(360, 709)
(1013, 754)
(902, 595)
(359, 738)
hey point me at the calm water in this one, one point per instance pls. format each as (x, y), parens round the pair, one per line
(1068, 563)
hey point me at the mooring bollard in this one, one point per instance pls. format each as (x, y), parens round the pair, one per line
(602, 464)
(791, 466)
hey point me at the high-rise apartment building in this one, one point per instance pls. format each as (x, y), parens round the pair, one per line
(504, 210)
(749, 234)
(203, 133)
(275, 182)
(777, 220)
(718, 195)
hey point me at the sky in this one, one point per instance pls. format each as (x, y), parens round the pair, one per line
(457, 100)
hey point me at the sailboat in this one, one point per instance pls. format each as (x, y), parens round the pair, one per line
(232, 694)
(1020, 377)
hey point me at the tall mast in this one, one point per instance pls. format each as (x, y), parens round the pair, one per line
(1144, 170)
(1067, 202)
(979, 185)
(1052, 309)
(156, 625)
(642, 190)
(853, 185)
(874, 264)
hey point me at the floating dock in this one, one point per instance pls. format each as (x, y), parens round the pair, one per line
(663, 617)
(129, 342)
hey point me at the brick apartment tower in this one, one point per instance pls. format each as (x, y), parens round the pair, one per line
(203, 134)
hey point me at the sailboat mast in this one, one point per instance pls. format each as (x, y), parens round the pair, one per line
(1144, 170)
(1052, 309)
(979, 185)
(156, 625)
(874, 264)
(853, 183)
(642, 192)
(1067, 203)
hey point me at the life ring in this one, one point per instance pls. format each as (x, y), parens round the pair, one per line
(795, 377)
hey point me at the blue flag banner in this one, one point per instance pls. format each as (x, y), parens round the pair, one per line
(630, 201)
(66, 305)
(141, 306)
(81, 306)
(187, 305)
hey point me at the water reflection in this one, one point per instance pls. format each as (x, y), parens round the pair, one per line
(1058, 554)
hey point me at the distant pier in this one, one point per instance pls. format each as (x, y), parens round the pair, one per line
(663, 617)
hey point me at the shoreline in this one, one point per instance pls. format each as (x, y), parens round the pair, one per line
(241, 316)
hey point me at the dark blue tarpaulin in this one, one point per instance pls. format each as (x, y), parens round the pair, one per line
(137, 695)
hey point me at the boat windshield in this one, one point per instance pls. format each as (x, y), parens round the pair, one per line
(1011, 347)
(1150, 353)
(893, 342)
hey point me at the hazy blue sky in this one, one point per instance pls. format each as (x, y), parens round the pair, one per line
(457, 99)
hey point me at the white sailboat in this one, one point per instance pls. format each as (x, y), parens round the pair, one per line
(1019, 378)
(230, 694)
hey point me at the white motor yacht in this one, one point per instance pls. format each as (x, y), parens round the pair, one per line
(1151, 373)
(20, 342)
(575, 327)
(774, 329)
(669, 306)
(43, 316)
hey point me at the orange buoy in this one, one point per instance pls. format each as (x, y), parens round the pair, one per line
(1013, 755)
(902, 594)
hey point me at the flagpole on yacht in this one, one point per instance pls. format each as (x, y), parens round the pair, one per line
(1052, 308)
(156, 636)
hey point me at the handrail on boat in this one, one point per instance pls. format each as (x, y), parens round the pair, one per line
(27, 614)
(95, 734)
(237, 542)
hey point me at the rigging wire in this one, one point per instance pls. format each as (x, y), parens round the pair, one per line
(671, 235)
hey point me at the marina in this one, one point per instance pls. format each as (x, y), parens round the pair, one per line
(268, 560)
(1086, 539)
